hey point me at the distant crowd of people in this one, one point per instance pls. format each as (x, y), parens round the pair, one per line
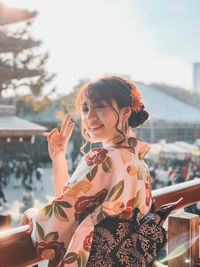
(163, 175)
(29, 174)
(21, 173)
(179, 172)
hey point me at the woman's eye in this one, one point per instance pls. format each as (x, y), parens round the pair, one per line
(99, 106)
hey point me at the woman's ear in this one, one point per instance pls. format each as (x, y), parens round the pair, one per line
(126, 113)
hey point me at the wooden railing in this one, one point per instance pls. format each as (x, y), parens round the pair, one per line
(16, 248)
(190, 191)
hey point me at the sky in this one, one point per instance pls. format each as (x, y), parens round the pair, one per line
(151, 41)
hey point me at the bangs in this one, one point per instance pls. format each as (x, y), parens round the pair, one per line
(108, 88)
(93, 91)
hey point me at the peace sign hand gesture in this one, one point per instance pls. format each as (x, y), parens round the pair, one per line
(57, 141)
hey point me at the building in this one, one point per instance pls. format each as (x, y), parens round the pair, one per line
(196, 77)
(15, 129)
(171, 119)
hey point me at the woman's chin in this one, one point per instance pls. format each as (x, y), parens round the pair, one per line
(94, 139)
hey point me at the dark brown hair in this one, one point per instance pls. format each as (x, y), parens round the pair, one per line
(111, 88)
(116, 88)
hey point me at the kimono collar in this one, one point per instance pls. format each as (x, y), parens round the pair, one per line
(137, 146)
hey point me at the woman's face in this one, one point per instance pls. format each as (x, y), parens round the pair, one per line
(99, 119)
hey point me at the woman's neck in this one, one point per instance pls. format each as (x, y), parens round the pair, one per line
(119, 139)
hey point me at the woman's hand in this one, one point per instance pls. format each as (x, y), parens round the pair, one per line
(24, 220)
(57, 141)
(28, 214)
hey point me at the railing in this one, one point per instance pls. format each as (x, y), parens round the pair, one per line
(190, 191)
(16, 248)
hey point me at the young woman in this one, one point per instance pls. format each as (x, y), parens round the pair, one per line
(93, 210)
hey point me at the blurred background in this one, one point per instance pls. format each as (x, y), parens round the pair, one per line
(49, 49)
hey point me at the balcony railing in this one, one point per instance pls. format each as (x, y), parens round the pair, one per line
(16, 248)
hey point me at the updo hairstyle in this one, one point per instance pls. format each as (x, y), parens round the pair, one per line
(115, 88)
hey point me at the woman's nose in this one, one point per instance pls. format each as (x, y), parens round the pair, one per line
(92, 115)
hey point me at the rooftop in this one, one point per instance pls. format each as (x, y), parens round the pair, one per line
(164, 107)
(10, 125)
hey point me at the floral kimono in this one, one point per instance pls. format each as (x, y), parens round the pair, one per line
(110, 181)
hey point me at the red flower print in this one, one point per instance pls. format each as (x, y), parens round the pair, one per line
(101, 195)
(87, 243)
(132, 170)
(128, 212)
(86, 205)
(131, 203)
(96, 156)
(53, 251)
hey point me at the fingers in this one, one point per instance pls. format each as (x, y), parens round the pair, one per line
(65, 125)
(65, 131)
(45, 134)
(24, 221)
(70, 129)
(52, 133)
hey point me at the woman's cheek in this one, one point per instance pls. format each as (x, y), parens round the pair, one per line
(100, 113)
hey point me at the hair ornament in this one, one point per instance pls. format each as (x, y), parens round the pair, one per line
(136, 103)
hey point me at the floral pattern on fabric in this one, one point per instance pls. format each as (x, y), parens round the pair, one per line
(87, 243)
(148, 192)
(128, 212)
(52, 250)
(96, 156)
(86, 205)
(56, 209)
(111, 181)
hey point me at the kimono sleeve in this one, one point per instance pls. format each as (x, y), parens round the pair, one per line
(56, 223)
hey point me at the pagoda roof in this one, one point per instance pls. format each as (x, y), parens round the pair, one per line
(12, 44)
(8, 72)
(12, 15)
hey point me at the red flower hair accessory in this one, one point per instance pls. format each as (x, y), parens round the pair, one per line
(136, 103)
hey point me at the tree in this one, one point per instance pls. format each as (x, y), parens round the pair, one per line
(22, 68)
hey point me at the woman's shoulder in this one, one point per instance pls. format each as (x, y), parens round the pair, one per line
(140, 146)
(133, 149)
(96, 161)
(137, 148)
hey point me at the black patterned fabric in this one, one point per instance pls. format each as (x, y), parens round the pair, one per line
(120, 243)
